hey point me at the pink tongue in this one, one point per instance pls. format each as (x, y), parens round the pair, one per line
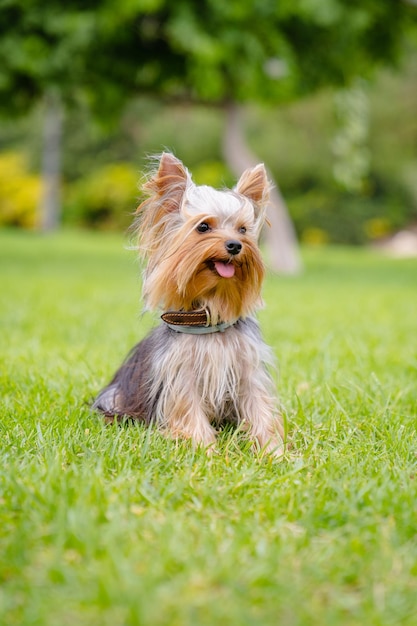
(226, 270)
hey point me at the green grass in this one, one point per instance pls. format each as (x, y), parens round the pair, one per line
(121, 527)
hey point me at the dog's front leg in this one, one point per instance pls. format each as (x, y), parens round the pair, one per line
(260, 417)
(184, 418)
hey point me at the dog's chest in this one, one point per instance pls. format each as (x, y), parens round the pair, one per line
(218, 368)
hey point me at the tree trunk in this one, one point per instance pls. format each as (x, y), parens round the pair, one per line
(50, 209)
(280, 238)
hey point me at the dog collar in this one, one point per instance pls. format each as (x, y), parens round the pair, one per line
(193, 322)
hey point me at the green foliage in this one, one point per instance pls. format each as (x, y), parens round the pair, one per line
(213, 173)
(20, 192)
(120, 527)
(295, 140)
(350, 144)
(298, 142)
(104, 199)
(42, 45)
(346, 218)
(211, 50)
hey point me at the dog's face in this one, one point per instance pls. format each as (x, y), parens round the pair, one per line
(201, 243)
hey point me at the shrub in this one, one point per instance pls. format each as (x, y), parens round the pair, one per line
(345, 218)
(105, 199)
(20, 192)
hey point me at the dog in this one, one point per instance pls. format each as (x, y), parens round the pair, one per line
(206, 363)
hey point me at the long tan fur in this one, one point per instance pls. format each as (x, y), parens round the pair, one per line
(201, 251)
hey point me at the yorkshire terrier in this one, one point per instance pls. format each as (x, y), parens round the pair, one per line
(206, 363)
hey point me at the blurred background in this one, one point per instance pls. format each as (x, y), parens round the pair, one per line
(323, 91)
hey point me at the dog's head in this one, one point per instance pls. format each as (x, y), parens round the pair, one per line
(201, 244)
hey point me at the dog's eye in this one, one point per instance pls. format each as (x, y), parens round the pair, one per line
(242, 230)
(203, 227)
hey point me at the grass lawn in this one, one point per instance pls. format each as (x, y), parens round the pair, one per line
(109, 526)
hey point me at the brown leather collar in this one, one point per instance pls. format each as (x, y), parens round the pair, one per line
(194, 322)
(201, 317)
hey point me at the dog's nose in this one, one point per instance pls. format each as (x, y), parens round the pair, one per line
(233, 247)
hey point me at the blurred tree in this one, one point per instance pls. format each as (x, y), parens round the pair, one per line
(212, 51)
(43, 52)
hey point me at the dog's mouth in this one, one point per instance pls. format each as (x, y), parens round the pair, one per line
(225, 269)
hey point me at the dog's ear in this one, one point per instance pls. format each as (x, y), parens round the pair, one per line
(171, 177)
(254, 185)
